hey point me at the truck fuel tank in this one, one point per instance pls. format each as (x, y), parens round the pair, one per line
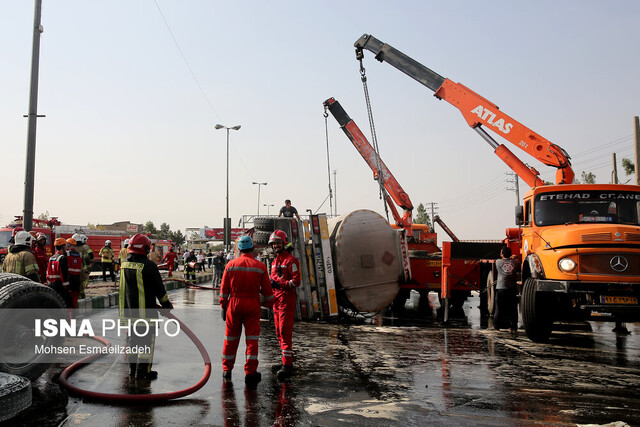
(367, 260)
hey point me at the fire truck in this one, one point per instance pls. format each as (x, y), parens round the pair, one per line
(578, 244)
(52, 228)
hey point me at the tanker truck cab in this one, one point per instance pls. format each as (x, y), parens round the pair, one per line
(581, 255)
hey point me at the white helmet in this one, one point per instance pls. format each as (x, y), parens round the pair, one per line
(84, 238)
(23, 238)
(108, 242)
(126, 242)
(77, 237)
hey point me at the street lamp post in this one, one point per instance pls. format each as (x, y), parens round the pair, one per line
(268, 206)
(259, 184)
(227, 220)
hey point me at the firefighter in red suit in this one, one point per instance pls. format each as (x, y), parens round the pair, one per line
(244, 279)
(170, 258)
(58, 272)
(39, 250)
(285, 278)
(74, 260)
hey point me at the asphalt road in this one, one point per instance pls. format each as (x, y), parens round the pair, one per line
(378, 372)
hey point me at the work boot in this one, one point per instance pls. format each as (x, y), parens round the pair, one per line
(132, 369)
(226, 376)
(145, 372)
(285, 372)
(276, 367)
(253, 379)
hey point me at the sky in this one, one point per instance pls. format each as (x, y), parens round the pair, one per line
(132, 91)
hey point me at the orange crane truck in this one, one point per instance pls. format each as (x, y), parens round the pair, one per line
(579, 244)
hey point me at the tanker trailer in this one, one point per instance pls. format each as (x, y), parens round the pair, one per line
(367, 259)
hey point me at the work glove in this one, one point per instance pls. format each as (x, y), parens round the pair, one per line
(224, 314)
(274, 284)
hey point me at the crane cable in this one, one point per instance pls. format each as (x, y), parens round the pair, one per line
(326, 132)
(374, 138)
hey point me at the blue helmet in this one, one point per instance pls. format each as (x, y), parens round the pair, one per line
(245, 242)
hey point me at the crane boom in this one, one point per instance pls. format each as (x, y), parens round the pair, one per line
(479, 112)
(357, 138)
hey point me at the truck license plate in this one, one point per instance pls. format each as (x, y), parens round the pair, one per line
(618, 300)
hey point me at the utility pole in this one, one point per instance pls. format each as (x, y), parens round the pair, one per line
(516, 186)
(636, 128)
(614, 177)
(434, 208)
(30, 169)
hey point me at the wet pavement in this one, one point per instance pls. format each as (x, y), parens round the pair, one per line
(379, 372)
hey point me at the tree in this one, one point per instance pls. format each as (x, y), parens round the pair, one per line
(177, 237)
(422, 217)
(165, 231)
(628, 166)
(588, 178)
(150, 228)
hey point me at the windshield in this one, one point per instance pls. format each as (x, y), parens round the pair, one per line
(587, 207)
(5, 236)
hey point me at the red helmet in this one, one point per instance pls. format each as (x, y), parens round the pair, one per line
(139, 244)
(16, 230)
(278, 236)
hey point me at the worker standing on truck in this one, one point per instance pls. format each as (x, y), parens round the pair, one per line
(20, 260)
(106, 255)
(285, 278)
(140, 286)
(244, 279)
(74, 259)
(506, 291)
(58, 272)
(288, 211)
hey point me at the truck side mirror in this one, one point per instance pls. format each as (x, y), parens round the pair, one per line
(519, 215)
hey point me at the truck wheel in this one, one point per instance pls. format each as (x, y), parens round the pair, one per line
(491, 294)
(536, 309)
(15, 395)
(6, 278)
(261, 237)
(17, 355)
(263, 223)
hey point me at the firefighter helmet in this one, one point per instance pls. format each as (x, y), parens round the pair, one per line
(23, 238)
(77, 237)
(278, 236)
(72, 241)
(126, 242)
(59, 242)
(16, 230)
(84, 238)
(245, 242)
(139, 244)
(108, 242)
(41, 236)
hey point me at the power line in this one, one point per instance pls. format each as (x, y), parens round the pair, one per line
(187, 62)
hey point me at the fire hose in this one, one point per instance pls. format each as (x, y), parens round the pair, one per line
(137, 398)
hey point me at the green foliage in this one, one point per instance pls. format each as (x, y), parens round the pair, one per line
(177, 237)
(628, 166)
(150, 228)
(422, 217)
(588, 178)
(165, 231)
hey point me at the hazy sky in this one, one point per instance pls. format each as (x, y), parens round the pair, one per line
(132, 90)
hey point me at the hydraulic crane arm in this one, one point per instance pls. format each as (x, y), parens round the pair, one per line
(380, 170)
(479, 112)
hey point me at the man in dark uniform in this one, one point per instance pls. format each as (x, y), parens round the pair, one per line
(140, 285)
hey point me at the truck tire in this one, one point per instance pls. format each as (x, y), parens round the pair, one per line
(25, 295)
(261, 237)
(536, 309)
(263, 223)
(15, 395)
(491, 294)
(6, 278)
